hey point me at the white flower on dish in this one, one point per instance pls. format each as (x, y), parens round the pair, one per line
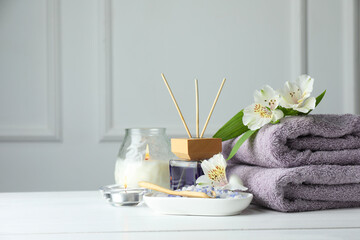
(215, 174)
(296, 95)
(264, 110)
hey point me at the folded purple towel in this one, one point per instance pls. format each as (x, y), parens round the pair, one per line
(299, 141)
(301, 188)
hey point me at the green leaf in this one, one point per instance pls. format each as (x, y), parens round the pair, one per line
(233, 128)
(241, 140)
(319, 98)
(288, 111)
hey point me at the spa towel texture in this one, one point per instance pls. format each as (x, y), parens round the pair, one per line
(302, 188)
(299, 141)
(301, 164)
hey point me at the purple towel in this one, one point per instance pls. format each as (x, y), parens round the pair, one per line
(299, 141)
(301, 188)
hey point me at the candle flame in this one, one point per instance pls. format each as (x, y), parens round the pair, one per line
(147, 153)
(125, 183)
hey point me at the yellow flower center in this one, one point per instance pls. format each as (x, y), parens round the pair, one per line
(263, 111)
(217, 174)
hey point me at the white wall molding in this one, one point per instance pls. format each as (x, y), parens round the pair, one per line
(110, 132)
(54, 70)
(107, 130)
(299, 55)
(52, 130)
(350, 61)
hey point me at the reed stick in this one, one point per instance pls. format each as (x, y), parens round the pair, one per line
(212, 108)
(176, 105)
(197, 107)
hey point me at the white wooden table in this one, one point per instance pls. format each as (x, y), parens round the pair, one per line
(86, 215)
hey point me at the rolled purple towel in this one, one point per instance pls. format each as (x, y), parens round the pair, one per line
(302, 140)
(300, 189)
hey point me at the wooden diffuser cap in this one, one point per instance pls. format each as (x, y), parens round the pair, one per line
(196, 148)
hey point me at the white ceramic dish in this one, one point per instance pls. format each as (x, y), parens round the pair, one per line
(197, 206)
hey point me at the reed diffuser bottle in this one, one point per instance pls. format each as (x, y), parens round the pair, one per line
(191, 151)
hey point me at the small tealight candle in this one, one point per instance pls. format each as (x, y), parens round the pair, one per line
(121, 196)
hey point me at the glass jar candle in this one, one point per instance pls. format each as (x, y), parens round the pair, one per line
(143, 156)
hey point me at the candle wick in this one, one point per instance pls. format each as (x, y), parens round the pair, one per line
(125, 185)
(147, 152)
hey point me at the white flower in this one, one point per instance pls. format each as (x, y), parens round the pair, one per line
(297, 95)
(215, 175)
(257, 115)
(263, 110)
(214, 171)
(267, 97)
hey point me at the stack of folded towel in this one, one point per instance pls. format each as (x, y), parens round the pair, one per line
(302, 163)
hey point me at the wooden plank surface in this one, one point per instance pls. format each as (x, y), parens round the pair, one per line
(80, 215)
(228, 234)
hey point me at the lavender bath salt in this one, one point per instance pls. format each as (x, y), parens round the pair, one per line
(220, 193)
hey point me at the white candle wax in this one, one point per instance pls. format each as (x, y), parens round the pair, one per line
(154, 171)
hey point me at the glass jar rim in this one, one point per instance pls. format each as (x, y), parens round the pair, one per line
(152, 130)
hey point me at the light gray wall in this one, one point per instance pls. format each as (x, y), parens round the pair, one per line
(74, 74)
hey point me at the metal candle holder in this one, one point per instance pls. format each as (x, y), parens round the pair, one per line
(120, 196)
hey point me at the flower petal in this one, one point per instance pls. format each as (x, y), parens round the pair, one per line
(218, 160)
(214, 170)
(305, 82)
(256, 116)
(277, 114)
(206, 166)
(259, 97)
(285, 98)
(258, 123)
(307, 105)
(268, 92)
(267, 96)
(203, 179)
(235, 183)
(255, 125)
(249, 114)
(263, 122)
